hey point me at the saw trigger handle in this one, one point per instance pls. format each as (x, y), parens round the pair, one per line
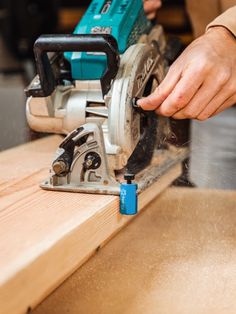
(103, 43)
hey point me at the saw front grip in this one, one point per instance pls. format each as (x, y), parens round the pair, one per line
(71, 43)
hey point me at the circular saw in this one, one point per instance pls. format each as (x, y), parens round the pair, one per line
(87, 87)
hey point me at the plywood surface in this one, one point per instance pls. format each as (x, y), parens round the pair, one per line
(178, 257)
(45, 236)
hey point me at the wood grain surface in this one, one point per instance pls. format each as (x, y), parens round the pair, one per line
(178, 257)
(45, 236)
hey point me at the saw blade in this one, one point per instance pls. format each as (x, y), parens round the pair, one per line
(137, 75)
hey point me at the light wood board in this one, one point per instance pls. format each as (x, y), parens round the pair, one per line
(45, 236)
(177, 257)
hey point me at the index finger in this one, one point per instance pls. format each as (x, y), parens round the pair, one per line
(154, 100)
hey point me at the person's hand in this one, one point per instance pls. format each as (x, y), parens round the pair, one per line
(201, 82)
(150, 8)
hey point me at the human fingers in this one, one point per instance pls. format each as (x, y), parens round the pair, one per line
(221, 100)
(227, 104)
(151, 6)
(183, 92)
(212, 85)
(154, 100)
(151, 16)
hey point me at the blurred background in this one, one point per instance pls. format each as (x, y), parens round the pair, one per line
(21, 22)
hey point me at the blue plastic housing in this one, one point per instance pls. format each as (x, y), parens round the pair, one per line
(128, 199)
(123, 19)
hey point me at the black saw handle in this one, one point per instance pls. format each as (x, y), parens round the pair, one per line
(72, 43)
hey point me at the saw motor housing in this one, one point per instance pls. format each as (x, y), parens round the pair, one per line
(88, 92)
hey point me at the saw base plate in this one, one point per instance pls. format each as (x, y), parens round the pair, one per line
(162, 161)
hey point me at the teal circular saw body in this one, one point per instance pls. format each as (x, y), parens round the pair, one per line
(125, 20)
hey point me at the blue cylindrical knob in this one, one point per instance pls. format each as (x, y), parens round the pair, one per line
(128, 196)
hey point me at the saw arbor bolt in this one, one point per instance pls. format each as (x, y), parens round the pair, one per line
(92, 161)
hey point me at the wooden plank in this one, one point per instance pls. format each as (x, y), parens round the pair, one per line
(22, 161)
(179, 256)
(45, 236)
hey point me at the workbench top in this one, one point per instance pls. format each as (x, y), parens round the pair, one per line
(177, 257)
